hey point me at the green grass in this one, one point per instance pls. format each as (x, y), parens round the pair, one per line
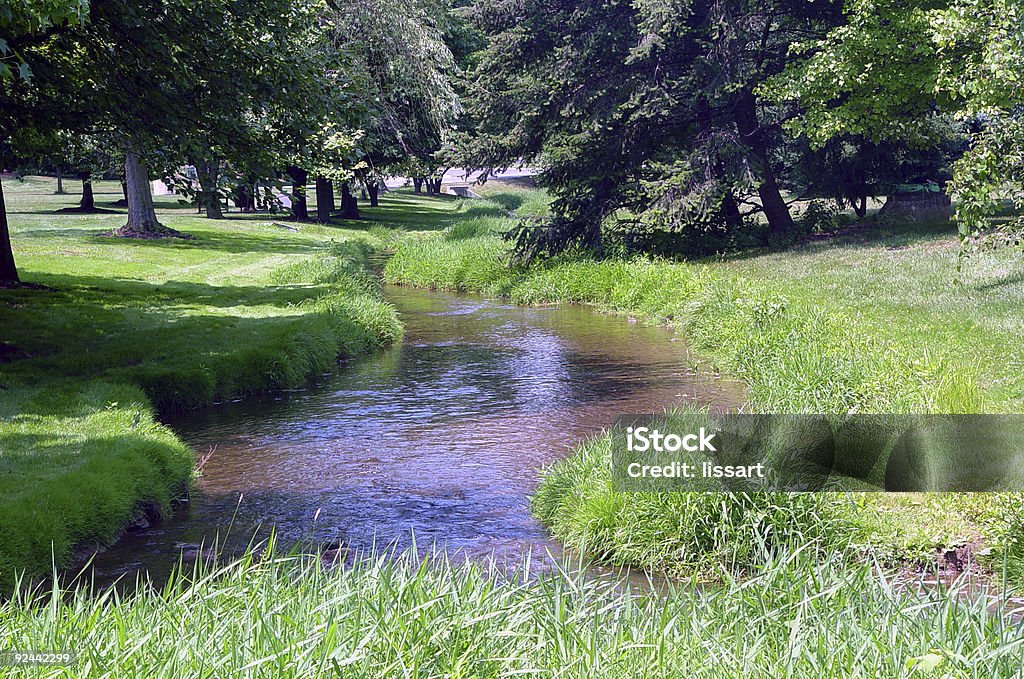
(802, 608)
(126, 327)
(78, 462)
(292, 617)
(870, 322)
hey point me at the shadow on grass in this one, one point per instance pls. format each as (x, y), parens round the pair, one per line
(892, 236)
(410, 212)
(275, 242)
(104, 293)
(509, 201)
(1002, 281)
(169, 338)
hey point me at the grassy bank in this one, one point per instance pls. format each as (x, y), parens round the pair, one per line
(291, 617)
(871, 322)
(124, 329)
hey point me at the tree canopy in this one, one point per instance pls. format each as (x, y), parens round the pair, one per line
(891, 64)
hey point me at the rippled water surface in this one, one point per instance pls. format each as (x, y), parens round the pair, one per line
(442, 436)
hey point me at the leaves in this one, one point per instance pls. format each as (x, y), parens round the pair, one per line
(892, 63)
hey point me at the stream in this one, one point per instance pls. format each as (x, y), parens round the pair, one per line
(442, 437)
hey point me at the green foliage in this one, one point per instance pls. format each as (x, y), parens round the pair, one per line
(396, 49)
(892, 63)
(708, 535)
(79, 461)
(639, 113)
(25, 19)
(851, 169)
(289, 616)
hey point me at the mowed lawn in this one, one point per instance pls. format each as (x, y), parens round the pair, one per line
(900, 284)
(116, 331)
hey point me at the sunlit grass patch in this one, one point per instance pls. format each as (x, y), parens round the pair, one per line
(289, 616)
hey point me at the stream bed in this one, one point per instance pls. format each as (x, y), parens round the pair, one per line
(442, 437)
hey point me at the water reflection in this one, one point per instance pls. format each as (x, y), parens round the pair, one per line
(442, 436)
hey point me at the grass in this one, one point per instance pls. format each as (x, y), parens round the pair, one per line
(289, 616)
(124, 329)
(79, 461)
(87, 439)
(870, 322)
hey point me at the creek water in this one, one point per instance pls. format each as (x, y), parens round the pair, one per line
(442, 437)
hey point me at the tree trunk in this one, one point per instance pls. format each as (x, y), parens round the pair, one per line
(8, 271)
(349, 205)
(123, 201)
(779, 220)
(373, 190)
(417, 184)
(209, 196)
(324, 199)
(142, 221)
(861, 208)
(88, 201)
(299, 177)
(60, 183)
(245, 197)
(731, 211)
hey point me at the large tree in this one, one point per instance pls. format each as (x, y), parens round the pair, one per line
(891, 63)
(173, 93)
(642, 110)
(399, 51)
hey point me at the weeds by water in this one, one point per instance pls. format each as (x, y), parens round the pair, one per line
(290, 616)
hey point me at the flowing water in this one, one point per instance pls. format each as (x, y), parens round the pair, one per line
(441, 437)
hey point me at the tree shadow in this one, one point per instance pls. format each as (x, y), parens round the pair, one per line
(509, 201)
(411, 212)
(184, 343)
(279, 242)
(105, 291)
(893, 236)
(1002, 281)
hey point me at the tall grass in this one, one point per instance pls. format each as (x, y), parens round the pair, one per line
(292, 617)
(793, 357)
(797, 346)
(79, 462)
(708, 535)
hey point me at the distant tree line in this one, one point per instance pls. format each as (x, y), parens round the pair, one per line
(698, 123)
(334, 92)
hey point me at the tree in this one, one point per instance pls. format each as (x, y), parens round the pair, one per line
(23, 25)
(890, 64)
(638, 110)
(172, 94)
(398, 49)
(850, 169)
